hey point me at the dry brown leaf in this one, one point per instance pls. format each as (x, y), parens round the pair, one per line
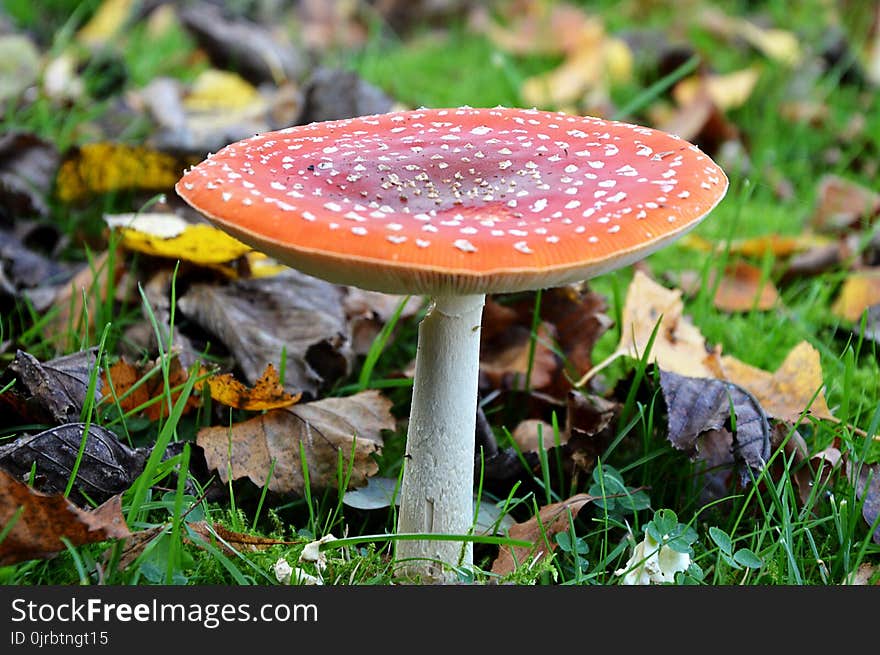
(325, 429)
(539, 530)
(549, 28)
(679, 347)
(776, 44)
(742, 289)
(787, 392)
(230, 541)
(132, 393)
(842, 204)
(504, 362)
(533, 435)
(860, 291)
(779, 245)
(727, 91)
(267, 392)
(78, 300)
(40, 521)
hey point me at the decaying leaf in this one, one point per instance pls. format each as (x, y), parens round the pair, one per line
(140, 388)
(39, 521)
(229, 541)
(27, 168)
(256, 52)
(794, 388)
(866, 479)
(539, 530)
(267, 392)
(696, 406)
(325, 429)
(777, 44)
(56, 389)
(843, 204)
(506, 361)
(106, 22)
(107, 466)
(336, 93)
(679, 347)
(743, 288)
(859, 292)
(166, 235)
(727, 91)
(78, 300)
(810, 472)
(98, 168)
(261, 320)
(368, 311)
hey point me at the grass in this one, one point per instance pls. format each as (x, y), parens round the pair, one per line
(762, 535)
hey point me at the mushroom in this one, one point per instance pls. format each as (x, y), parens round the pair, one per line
(454, 204)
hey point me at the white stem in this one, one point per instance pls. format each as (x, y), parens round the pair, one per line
(437, 493)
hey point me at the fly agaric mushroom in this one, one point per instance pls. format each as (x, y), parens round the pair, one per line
(454, 204)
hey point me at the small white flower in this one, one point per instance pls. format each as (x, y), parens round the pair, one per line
(651, 563)
(312, 552)
(282, 571)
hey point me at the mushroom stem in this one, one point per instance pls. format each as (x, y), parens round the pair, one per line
(437, 493)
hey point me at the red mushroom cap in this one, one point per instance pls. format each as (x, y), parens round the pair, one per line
(457, 201)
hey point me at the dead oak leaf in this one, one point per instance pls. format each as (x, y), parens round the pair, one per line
(36, 522)
(678, 347)
(539, 531)
(143, 388)
(267, 392)
(860, 291)
(329, 431)
(743, 288)
(795, 387)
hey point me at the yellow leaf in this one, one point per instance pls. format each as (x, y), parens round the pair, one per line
(784, 394)
(216, 90)
(166, 235)
(106, 22)
(860, 291)
(678, 347)
(267, 392)
(727, 91)
(104, 167)
(742, 288)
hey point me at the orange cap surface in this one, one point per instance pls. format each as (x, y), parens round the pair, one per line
(456, 201)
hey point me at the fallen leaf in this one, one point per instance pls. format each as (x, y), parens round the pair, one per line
(25, 270)
(696, 406)
(742, 288)
(106, 468)
(98, 168)
(162, 235)
(214, 89)
(142, 388)
(533, 435)
(539, 530)
(267, 392)
(230, 541)
(866, 480)
(776, 44)
(256, 52)
(36, 522)
(807, 480)
(27, 170)
(56, 389)
(368, 312)
(325, 429)
(842, 204)
(260, 320)
(107, 21)
(336, 93)
(859, 292)
(679, 347)
(778, 245)
(726, 91)
(78, 300)
(510, 361)
(794, 388)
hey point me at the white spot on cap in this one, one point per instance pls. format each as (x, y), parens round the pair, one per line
(396, 238)
(482, 129)
(464, 245)
(539, 205)
(359, 230)
(423, 243)
(332, 206)
(523, 247)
